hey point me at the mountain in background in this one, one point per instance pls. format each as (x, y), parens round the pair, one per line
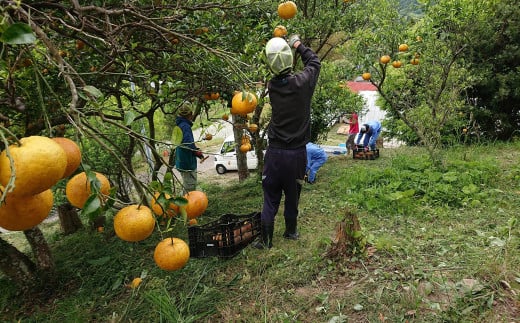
(409, 8)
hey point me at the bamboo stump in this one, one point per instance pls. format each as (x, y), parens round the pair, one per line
(348, 240)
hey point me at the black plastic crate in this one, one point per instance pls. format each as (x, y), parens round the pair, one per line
(224, 237)
(360, 153)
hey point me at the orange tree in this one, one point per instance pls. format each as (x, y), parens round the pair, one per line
(104, 73)
(423, 86)
(325, 27)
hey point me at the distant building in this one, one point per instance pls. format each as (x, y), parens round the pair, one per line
(369, 92)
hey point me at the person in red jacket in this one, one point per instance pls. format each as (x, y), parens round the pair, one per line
(288, 132)
(352, 132)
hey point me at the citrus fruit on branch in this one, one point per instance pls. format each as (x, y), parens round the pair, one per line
(280, 31)
(18, 213)
(243, 103)
(397, 64)
(253, 127)
(287, 10)
(39, 163)
(134, 223)
(73, 154)
(158, 205)
(385, 59)
(197, 204)
(171, 254)
(78, 189)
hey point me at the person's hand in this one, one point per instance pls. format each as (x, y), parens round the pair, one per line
(199, 154)
(366, 148)
(293, 39)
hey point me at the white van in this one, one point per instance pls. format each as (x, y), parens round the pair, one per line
(226, 157)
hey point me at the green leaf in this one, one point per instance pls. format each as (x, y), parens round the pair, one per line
(18, 34)
(357, 234)
(129, 117)
(168, 183)
(184, 215)
(93, 91)
(180, 201)
(99, 262)
(92, 205)
(155, 186)
(511, 223)
(167, 177)
(450, 177)
(176, 136)
(470, 189)
(95, 184)
(117, 283)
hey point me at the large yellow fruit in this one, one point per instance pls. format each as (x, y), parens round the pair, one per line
(19, 213)
(78, 188)
(197, 203)
(73, 154)
(366, 76)
(279, 31)
(396, 64)
(253, 127)
(385, 59)
(245, 147)
(243, 103)
(134, 223)
(287, 10)
(403, 47)
(158, 209)
(39, 163)
(171, 254)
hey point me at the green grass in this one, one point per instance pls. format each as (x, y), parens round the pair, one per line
(447, 250)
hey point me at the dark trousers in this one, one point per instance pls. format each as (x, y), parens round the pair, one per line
(350, 142)
(283, 172)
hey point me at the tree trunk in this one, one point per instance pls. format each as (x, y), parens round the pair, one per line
(15, 264)
(41, 250)
(69, 219)
(259, 147)
(239, 123)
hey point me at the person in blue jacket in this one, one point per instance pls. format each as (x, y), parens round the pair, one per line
(290, 95)
(316, 157)
(369, 132)
(186, 153)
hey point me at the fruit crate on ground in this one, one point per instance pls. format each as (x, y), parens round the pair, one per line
(360, 153)
(224, 237)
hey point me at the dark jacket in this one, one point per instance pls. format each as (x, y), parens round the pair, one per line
(185, 158)
(290, 96)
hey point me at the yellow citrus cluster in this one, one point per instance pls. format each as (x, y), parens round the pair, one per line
(30, 167)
